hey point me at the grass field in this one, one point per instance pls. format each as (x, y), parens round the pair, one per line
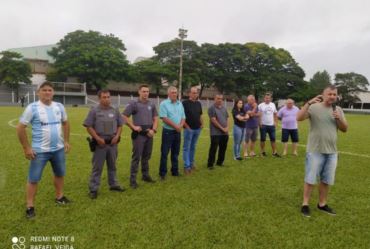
(250, 204)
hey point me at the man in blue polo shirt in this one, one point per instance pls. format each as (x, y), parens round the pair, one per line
(171, 111)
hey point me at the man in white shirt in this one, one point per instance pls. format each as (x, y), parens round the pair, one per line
(268, 122)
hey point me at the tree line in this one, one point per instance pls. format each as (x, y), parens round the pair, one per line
(232, 68)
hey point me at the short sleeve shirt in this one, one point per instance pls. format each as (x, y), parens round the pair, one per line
(267, 111)
(221, 115)
(104, 121)
(46, 121)
(173, 111)
(193, 111)
(142, 112)
(252, 122)
(322, 137)
(237, 122)
(288, 117)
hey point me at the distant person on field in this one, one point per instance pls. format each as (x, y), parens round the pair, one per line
(219, 131)
(22, 101)
(268, 123)
(50, 142)
(325, 119)
(251, 126)
(288, 116)
(240, 117)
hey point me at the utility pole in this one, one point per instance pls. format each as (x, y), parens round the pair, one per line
(182, 35)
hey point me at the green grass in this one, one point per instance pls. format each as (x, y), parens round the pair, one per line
(249, 204)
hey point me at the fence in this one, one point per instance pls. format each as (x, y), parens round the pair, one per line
(122, 101)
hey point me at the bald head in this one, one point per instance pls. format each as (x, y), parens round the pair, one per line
(193, 93)
(289, 103)
(251, 99)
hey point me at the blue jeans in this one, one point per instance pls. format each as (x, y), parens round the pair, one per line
(37, 165)
(190, 140)
(322, 166)
(171, 140)
(239, 134)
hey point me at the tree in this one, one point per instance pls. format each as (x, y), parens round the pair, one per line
(274, 70)
(91, 57)
(168, 54)
(14, 70)
(349, 85)
(225, 65)
(320, 80)
(151, 72)
(252, 68)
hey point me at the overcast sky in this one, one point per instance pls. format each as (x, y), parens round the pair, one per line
(320, 34)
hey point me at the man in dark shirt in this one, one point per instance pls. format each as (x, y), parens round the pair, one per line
(193, 125)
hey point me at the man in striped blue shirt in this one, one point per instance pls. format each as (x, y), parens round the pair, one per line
(50, 141)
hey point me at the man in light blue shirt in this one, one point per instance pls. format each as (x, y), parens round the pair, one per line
(171, 111)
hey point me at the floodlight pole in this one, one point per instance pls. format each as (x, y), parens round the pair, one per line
(182, 35)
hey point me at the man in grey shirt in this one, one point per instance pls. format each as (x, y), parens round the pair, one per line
(143, 126)
(219, 131)
(104, 124)
(321, 158)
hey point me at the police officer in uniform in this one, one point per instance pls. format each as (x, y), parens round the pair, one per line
(143, 126)
(104, 124)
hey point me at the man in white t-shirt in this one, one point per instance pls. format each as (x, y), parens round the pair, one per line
(268, 122)
(50, 141)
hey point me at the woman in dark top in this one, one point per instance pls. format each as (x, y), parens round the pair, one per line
(240, 117)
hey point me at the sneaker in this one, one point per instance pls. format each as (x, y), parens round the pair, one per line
(117, 188)
(326, 209)
(210, 167)
(239, 159)
(220, 164)
(30, 212)
(162, 178)
(263, 154)
(62, 201)
(93, 194)
(305, 210)
(276, 155)
(148, 179)
(134, 185)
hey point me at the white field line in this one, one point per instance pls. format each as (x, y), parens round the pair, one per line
(11, 123)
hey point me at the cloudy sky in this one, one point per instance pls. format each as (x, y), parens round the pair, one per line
(331, 34)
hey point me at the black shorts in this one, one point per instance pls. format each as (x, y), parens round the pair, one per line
(267, 129)
(293, 133)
